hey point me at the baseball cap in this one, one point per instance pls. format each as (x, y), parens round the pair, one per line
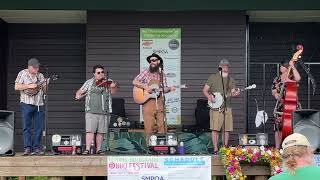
(295, 139)
(224, 62)
(34, 62)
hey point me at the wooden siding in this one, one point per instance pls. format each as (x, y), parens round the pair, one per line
(271, 43)
(207, 37)
(62, 49)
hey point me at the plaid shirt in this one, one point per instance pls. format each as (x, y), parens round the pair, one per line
(24, 77)
(146, 76)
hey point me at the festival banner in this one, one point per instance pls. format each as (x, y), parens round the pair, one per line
(166, 42)
(159, 167)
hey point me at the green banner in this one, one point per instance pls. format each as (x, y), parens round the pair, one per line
(160, 33)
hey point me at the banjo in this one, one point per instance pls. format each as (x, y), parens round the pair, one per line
(219, 98)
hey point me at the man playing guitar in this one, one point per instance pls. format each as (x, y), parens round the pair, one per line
(214, 84)
(32, 106)
(153, 117)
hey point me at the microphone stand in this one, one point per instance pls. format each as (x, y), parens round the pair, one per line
(224, 109)
(164, 99)
(109, 110)
(45, 100)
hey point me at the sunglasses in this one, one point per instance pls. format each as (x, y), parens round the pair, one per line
(101, 72)
(154, 60)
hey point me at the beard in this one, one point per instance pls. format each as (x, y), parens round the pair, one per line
(154, 69)
(225, 74)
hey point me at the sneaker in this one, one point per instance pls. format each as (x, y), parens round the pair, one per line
(36, 152)
(27, 152)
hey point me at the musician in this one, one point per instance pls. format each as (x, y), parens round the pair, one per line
(152, 117)
(32, 106)
(214, 84)
(276, 89)
(298, 159)
(96, 106)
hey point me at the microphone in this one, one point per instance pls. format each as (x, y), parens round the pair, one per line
(220, 68)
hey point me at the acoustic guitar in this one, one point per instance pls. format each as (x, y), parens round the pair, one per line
(141, 96)
(35, 91)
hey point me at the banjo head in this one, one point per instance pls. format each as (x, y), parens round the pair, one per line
(218, 101)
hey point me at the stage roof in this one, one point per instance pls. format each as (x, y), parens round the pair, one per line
(159, 5)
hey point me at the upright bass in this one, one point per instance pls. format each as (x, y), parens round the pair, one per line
(290, 99)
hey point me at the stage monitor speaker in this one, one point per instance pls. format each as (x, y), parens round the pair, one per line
(6, 133)
(307, 122)
(202, 114)
(118, 107)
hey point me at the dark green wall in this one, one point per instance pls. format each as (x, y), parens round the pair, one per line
(163, 5)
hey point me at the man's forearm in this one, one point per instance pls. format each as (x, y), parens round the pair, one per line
(139, 84)
(20, 87)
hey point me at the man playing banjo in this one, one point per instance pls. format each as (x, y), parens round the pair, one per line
(214, 86)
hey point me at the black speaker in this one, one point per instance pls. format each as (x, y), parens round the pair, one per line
(118, 116)
(118, 107)
(202, 114)
(307, 122)
(6, 132)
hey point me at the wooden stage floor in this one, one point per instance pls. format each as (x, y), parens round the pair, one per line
(95, 165)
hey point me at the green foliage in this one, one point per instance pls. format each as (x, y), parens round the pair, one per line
(135, 142)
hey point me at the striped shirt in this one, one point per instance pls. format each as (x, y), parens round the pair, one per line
(146, 76)
(24, 77)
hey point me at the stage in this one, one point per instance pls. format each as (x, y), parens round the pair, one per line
(94, 165)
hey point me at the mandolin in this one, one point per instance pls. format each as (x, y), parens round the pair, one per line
(35, 91)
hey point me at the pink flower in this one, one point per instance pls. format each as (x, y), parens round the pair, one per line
(233, 161)
(279, 171)
(230, 169)
(254, 159)
(258, 154)
(242, 158)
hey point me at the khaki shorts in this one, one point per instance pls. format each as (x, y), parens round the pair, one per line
(216, 120)
(97, 123)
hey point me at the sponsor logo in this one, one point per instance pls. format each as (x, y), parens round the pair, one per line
(152, 178)
(174, 110)
(160, 51)
(174, 44)
(147, 44)
(171, 75)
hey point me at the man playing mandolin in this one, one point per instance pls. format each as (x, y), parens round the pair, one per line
(148, 80)
(97, 104)
(32, 105)
(214, 85)
(278, 86)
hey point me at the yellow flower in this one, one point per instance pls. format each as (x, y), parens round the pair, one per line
(238, 152)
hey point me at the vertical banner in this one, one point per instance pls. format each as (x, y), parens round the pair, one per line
(159, 167)
(166, 42)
